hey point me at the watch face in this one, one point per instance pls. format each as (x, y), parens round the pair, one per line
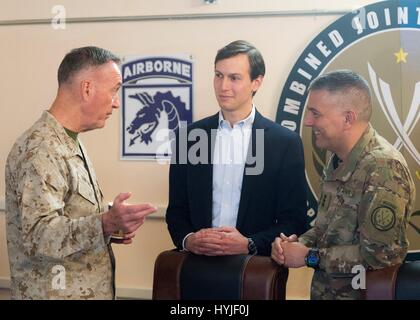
(252, 248)
(312, 259)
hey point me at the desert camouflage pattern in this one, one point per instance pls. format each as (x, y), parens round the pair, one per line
(363, 213)
(53, 219)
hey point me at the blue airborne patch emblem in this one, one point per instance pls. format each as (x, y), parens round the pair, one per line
(156, 101)
(148, 117)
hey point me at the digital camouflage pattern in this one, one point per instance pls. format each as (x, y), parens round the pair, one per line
(53, 219)
(363, 214)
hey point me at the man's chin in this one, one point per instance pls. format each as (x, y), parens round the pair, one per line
(99, 125)
(227, 108)
(319, 144)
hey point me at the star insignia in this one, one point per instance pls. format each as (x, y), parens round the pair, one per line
(401, 56)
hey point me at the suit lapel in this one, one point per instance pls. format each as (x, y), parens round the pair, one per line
(249, 182)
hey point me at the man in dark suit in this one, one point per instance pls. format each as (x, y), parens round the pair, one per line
(236, 179)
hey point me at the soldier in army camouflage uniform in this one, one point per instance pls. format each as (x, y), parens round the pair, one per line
(58, 231)
(367, 192)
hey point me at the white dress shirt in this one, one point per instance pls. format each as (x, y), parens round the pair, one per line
(230, 151)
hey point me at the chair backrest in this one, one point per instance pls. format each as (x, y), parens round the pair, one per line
(399, 282)
(185, 276)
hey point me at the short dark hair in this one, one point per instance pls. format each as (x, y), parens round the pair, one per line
(256, 61)
(347, 81)
(81, 58)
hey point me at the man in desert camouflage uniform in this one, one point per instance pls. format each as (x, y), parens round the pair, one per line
(58, 231)
(367, 192)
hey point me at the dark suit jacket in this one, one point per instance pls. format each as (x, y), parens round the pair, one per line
(271, 202)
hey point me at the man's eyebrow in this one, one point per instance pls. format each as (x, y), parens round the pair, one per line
(228, 74)
(313, 109)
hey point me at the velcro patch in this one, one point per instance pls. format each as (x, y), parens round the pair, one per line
(325, 200)
(383, 218)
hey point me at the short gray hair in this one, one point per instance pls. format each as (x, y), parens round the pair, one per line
(347, 82)
(82, 58)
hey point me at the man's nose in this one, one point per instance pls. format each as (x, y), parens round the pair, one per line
(308, 120)
(116, 102)
(225, 85)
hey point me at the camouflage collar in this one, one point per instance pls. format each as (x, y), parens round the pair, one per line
(345, 170)
(62, 135)
(71, 134)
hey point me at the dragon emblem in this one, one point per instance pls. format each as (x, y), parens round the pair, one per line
(148, 117)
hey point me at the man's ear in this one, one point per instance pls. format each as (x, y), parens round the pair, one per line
(86, 89)
(256, 83)
(350, 118)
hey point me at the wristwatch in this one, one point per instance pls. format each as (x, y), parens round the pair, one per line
(252, 248)
(312, 258)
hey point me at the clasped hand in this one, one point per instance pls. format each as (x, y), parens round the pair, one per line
(288, 251)
(217, 242)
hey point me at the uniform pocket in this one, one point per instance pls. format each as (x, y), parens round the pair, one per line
(85, 190)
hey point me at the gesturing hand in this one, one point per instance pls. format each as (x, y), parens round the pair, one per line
(125, 217)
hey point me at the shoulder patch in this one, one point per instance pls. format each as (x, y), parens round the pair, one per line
(383, 218)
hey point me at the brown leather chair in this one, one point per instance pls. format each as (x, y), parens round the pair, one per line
(399, 282)
(186, 276)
